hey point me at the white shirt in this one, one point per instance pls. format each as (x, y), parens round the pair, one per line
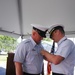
(66, 49)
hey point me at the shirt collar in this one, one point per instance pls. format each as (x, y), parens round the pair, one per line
(63, 39)
(33, 42)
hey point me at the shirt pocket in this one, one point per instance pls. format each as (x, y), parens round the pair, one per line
(34, 52)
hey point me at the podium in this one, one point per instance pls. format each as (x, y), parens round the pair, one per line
(10, 67)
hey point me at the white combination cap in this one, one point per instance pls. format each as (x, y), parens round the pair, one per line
(54, 27)
(40, 29)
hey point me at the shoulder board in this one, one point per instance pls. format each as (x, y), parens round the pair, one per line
(27, 41)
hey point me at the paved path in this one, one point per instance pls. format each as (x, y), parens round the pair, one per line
(2, 68)
(2, 71)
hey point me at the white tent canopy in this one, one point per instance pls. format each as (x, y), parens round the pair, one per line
(16, 16)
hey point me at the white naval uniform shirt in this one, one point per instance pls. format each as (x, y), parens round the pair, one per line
(66, 49)
(28, 53)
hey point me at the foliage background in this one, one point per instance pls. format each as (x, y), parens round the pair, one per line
(7, 44)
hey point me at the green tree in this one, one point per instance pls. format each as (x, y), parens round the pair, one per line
(7, 43)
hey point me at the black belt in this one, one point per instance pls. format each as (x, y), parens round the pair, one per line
(24, 73)
(56, 73)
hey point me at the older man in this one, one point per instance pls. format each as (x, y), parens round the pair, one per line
(63, 59)
(28, 60)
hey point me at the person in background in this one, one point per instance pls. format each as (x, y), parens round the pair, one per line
(27, 59)
(63, 59)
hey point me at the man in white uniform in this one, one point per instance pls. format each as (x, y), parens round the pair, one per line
(63, 59)
(27, 59)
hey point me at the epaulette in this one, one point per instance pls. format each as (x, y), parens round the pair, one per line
(27, 41)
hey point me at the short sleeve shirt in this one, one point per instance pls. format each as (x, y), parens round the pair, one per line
(66, 49)
(28, 53)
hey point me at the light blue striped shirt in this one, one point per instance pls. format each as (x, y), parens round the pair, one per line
(28, 53)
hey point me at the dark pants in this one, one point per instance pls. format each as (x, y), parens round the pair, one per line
(29, 74)
(56, 73)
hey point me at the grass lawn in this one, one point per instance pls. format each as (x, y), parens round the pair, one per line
(3, 58)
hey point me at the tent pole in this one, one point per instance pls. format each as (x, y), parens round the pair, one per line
(20, 17)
